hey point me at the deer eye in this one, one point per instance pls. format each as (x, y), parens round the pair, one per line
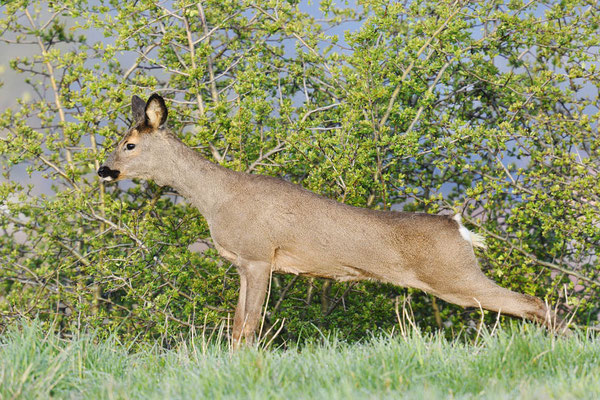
(130, 146)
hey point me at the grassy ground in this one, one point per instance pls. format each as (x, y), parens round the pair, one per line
(520, 362)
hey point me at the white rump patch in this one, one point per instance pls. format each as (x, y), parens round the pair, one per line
(475, 239)
(107, 179)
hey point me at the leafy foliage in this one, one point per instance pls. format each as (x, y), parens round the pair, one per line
(486, 108)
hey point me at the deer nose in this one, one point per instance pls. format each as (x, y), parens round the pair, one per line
(106, 172)
(103, 171)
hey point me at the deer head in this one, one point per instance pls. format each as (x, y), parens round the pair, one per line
(141, 153)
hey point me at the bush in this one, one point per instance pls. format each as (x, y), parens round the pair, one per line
(489, 109)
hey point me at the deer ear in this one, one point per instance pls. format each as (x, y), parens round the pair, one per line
(138, 109)
(156, 111)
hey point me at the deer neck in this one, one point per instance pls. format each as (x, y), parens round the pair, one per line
(202, 183)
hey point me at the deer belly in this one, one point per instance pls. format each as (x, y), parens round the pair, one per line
(299, 263)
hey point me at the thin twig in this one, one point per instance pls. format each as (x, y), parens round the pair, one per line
(50, 68)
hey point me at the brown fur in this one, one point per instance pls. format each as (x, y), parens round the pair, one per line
(264, 225)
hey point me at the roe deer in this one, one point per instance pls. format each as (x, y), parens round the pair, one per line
(262, 225)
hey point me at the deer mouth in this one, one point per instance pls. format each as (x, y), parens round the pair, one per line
(108, 174)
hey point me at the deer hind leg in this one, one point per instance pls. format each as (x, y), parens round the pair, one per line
(254, 282)
(480, 291)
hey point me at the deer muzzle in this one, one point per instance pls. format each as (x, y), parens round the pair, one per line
(108, 174)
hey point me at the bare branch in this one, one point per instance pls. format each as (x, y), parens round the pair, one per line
(209, 60)
(256, 162)
(61, 112)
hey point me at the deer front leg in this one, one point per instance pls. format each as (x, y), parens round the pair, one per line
(254, 281)
(238, 319)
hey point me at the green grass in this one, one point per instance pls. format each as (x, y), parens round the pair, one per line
(522, 361)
